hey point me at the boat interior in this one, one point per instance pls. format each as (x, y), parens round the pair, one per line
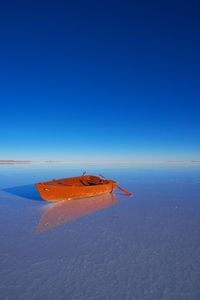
(78, 181)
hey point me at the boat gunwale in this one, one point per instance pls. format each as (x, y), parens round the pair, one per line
(78, 184)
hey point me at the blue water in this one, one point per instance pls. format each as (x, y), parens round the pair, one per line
(143, 247)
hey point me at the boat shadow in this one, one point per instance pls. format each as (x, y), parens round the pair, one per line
(28, 192)
(70, 210)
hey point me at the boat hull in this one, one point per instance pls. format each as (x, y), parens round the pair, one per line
(51, 191)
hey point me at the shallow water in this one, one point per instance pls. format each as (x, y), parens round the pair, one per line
(112, 247)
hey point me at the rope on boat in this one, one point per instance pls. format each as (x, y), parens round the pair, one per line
(124, 191)
(121, 189)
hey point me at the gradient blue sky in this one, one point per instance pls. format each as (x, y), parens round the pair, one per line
(100, 80)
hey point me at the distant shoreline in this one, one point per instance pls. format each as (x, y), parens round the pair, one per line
(15, 161)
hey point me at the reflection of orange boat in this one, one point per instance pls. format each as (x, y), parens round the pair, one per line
(67, 211)
(75, 187)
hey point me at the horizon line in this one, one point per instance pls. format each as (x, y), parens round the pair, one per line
(110, 161)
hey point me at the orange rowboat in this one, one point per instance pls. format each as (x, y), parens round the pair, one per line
(75, 187)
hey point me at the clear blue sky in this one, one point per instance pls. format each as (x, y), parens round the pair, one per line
(100, 79)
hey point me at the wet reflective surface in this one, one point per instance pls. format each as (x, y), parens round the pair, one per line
(112, 247)
(66, 211)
